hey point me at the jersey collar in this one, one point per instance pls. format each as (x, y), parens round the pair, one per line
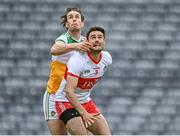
(93, 60)
(79, 40)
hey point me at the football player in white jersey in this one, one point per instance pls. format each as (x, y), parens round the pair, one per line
(73, 103)
(65, 45)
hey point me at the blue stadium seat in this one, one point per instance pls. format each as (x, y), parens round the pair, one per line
(139, 94)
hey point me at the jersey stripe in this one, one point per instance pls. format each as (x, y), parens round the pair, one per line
(71, 74)
(87, 83)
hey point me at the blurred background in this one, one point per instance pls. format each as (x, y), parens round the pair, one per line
(139, 94)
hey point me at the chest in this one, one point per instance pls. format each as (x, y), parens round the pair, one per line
(93, 70)
(91, 74)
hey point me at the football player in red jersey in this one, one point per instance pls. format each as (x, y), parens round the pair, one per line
(73, 103)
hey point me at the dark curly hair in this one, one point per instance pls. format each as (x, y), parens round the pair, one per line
(63, 18)
(95, 28)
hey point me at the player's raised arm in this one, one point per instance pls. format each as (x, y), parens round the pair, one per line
(60, 47)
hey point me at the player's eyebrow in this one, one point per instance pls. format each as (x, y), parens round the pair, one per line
(93, 35)
(99, 35)
(75, 14)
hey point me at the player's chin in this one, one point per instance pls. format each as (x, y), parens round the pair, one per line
(75, 29)
(97, 49)
(94, 47)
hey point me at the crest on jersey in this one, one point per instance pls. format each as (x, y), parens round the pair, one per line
(53, 113)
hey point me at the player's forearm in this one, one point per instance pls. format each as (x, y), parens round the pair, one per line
(74, 102)
(61, 48)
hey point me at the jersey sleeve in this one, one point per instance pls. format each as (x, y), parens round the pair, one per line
(108, 60)
(61, 38)
(75, 65)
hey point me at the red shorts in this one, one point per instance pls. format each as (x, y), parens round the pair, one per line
(90, 107)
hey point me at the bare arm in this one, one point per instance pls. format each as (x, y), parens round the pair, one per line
(59, 47)
(70, 87)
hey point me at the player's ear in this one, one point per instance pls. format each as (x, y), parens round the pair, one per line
(86, 40)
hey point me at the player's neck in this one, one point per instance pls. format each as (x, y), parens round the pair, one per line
(75, 34)
(95, 55)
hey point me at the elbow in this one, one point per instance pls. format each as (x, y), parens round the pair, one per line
(53, 51)
(68, 94)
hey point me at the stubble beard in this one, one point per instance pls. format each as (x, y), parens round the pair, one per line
(75, 30)
(96, 50)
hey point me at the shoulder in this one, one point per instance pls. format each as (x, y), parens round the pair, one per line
(76, 62)
(107, 57)
(77, 57)
(63, 38)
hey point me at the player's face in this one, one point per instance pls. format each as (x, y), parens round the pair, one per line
(96, 38)
(74, 21)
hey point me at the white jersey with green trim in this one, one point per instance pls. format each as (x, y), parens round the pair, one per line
(67, 39)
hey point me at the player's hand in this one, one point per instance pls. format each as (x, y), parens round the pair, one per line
(83, 46)
(88, 119)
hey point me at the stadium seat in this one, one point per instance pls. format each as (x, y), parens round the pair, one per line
(138, 95)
